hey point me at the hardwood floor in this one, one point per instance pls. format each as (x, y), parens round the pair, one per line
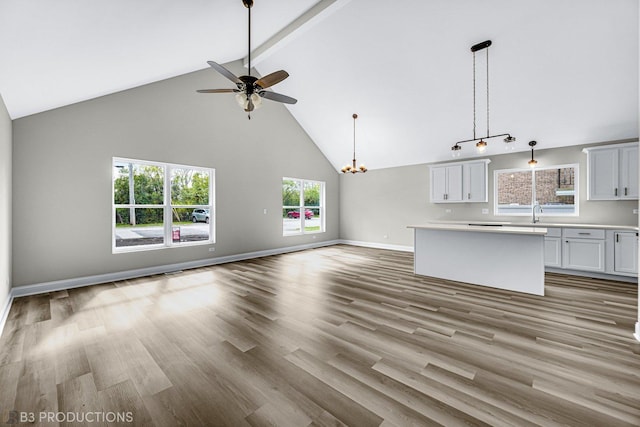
(333, 336)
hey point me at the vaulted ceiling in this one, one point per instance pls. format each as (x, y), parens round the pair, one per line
(562, 72)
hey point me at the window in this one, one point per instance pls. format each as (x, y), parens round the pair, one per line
(302, 206)
(554, 188)
(157, 205)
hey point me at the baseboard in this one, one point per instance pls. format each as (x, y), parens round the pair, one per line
(377, 245)
(593, 275)
(4, 313)
(59, 285)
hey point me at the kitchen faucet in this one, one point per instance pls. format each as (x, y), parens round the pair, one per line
(533, 212)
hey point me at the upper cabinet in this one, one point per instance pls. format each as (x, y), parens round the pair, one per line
(459, 182)
(612, 172)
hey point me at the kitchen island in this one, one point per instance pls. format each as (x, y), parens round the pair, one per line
(498, 256)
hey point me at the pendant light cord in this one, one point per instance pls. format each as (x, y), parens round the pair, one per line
(249, 56)
(488, 93)
(355, 116)
(474, 95)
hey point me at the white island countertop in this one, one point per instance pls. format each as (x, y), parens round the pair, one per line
(536, 225)
(482, 228)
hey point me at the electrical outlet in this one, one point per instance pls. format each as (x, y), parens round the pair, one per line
(212, 249)
(386, 236)
(264, 211)
(635, 211)
(447, 211)
(485, 211)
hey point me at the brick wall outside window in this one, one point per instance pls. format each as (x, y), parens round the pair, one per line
(515, 187)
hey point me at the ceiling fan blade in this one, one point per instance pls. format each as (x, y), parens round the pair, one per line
(271, 79)
(277, 97)
(228, 74)
(216, 90)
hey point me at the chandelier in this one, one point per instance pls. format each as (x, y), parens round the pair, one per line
(352, 167)
(481, 143)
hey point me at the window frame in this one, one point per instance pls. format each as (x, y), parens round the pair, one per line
(302, 207)
(167, 206)
(576, 187)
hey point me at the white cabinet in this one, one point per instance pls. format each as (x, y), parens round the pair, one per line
(474, 182)
(625, 252)
(583, 249)
(446, 183)
(553, 248)
(612, 172)
(629, 172)
(459, 182)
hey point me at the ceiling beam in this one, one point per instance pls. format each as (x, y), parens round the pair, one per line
(304, 22)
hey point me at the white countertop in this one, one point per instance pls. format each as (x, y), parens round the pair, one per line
(494, 228)
(537, 224)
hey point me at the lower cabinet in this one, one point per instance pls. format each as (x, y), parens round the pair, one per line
(553, 248)
(625, 252)
(583, 254)
(592, 249)
(583, 249)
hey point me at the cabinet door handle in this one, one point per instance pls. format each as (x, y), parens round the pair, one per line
(615, 192)
(468, 195)
(625, 191)
(617, 238)
(584, 234)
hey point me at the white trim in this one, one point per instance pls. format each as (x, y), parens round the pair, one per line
(4, 314)
(59, 285)
(604, 147)
(450, 163)
(592, 274)
(377, 245)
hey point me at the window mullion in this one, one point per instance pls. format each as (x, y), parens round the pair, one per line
(533, 188)
(302, 208)
(168, 241)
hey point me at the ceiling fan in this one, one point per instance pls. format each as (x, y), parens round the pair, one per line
(249, 89)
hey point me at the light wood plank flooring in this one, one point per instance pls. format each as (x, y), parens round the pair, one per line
(333, 336)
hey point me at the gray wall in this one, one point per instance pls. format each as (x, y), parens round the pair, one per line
(62, 174)
(5, 204)
(383, 202)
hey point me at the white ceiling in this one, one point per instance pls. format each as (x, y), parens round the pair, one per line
(562, 72)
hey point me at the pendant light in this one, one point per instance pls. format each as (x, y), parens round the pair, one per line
(481, 143)
(352, 167)
(533, 162)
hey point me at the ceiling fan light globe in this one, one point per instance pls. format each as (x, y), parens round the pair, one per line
(241, 100)
(257, 100)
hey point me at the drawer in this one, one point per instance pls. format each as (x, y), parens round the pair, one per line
(554, 232)
(583, 233)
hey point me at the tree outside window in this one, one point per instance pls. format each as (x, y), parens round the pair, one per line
(302, 206)
(160, 205)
